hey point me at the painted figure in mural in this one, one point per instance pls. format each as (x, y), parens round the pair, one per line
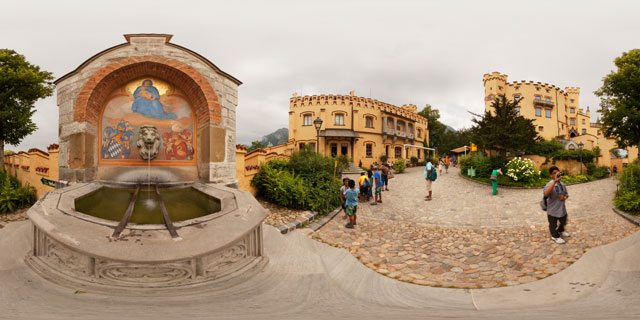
(116, 142)
(147, 102)
(178, 145)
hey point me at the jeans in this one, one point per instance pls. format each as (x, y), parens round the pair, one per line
(554, 228)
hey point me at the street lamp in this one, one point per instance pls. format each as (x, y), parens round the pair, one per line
(318, 124)
(580, 146)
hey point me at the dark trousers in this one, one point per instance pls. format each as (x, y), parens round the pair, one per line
(556, 225)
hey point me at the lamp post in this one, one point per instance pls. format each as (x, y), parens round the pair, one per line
(318, 124)
(580, 146)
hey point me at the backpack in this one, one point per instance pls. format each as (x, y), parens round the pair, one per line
(434, 175)
(543, 203)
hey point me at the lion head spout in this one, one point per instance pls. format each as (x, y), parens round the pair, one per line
(148, 142)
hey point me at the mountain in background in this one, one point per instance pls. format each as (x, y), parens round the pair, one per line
(450, 128)
(275, 138)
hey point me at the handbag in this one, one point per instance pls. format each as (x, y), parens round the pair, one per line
(493, 178)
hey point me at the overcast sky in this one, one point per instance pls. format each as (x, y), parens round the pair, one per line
(399, 52)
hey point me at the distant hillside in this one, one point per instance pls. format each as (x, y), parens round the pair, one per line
(450, 128)
(277, 137)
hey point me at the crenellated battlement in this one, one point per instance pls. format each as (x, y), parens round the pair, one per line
(572, 90)
(409, 111)
(538, 84)
(494, 76)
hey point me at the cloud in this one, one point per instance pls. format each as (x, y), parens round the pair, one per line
(398, 52)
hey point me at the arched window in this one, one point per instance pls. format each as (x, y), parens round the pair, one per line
(368, 122)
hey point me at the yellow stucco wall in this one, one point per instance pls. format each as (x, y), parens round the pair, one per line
(389, 127)
(30, 167)
(565, 117)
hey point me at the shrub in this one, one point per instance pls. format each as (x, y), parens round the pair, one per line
(587, 155)
(414, 160)
(384, 158)
(600, 172)
(591, 168)
(399, 165)
(482, 164)
(579, 178)
(343, 162)
(544, 173)
(630, 179)
(524, 170)
(300, 183)
(629, 202)
(13, 195)
(546, 148)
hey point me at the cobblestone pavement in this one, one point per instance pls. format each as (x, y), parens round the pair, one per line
(19, 215)
(467, 238)
(279, 215)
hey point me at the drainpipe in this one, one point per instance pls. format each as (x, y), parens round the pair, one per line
(353, 140)
(557, 115)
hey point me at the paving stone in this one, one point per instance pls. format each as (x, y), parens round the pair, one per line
(495, 246)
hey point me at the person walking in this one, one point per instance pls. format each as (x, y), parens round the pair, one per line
(385, 176)
(370, 188)
(427, 176)
(555, 194)
(343, 197)
(352, 204)
(494, 180)
(363, 183)
(446, 164)
(377, 178)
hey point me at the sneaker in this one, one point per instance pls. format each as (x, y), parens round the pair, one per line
(565, 234)
(558, 240)
(349, 226)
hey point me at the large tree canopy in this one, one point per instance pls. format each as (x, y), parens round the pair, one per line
(436, 128)
(21, 85)
(504, 130)
(620, 101)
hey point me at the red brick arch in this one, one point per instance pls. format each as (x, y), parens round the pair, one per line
(91, 99)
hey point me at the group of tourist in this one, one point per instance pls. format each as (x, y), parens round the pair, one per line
(371, 184)
(370, 187)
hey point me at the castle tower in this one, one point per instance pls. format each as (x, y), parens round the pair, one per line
(495, 85)
(573, 94)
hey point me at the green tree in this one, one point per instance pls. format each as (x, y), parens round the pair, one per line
(256, 145)
(21, 85)
(436, 128)
(620, 101)
(504, 130)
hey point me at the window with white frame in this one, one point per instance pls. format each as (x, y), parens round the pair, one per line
(538, 112)
(547, 113)
(339, 119)
(307, 120)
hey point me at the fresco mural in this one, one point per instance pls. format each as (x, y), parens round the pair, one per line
(147, 101)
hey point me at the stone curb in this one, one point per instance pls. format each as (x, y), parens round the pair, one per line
(513, 187)
(319, 224)
(306, 218)
(633, 219)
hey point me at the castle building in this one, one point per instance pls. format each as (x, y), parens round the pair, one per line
(556, 113)
(361, 128)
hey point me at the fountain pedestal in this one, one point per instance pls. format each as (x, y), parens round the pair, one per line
(214, 251)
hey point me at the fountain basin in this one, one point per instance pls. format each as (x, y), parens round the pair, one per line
(186, 205)
(215, 250)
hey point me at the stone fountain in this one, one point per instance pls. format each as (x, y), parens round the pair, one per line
(162, 218)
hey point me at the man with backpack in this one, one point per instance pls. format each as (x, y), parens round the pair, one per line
(430, 176)
(554, 196)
